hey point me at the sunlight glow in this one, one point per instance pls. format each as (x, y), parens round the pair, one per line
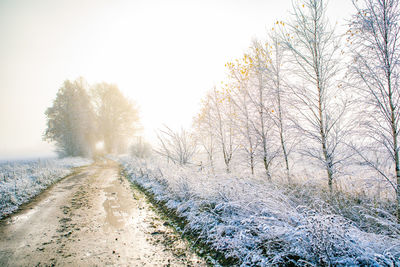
(100, 146)
(163, 55)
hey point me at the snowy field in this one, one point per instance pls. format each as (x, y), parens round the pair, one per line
(253, 222)
(22, 180)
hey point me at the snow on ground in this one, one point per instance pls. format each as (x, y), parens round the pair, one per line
(253, 222)
(22, 180)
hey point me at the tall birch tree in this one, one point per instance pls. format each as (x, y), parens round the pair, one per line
(314, 50)
(374, 42)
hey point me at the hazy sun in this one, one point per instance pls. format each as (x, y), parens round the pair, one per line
(100, 146)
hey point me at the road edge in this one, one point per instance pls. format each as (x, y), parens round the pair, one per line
(42, 194)
(211, 256)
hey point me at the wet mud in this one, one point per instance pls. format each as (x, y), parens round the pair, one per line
(92, 218)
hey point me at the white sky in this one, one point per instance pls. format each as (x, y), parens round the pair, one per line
(163, 54)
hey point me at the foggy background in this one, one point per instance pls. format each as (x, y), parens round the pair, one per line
(162, 54)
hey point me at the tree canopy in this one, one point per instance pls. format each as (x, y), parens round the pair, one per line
(82, 115)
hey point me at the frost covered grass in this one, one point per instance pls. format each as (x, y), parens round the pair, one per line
(254, 222)
(22, 180)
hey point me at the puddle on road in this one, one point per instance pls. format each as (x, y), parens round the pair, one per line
(139, 236)
(22, 217)
(115, 205)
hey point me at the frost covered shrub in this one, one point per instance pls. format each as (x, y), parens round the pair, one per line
(22, 180)
(256, 223)
(327, 237)
(140, 149)
(368, 214)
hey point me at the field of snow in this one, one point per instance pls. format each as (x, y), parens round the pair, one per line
(253, 222)
(22, 180)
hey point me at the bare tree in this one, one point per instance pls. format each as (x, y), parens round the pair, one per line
(374, 41)
(140, 148)
(179, 147)
(223, 111)
(276, 86)
(261, 100)
(314, 48)
(238, 94)
(204, 129)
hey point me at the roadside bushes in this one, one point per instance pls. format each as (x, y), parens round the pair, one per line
(254, 222)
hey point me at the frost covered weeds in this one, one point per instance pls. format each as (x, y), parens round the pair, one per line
(254, 222)
(22, 180)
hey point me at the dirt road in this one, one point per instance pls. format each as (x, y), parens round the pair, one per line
(91, 218)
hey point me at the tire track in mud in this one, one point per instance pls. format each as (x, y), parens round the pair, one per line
(94, 218)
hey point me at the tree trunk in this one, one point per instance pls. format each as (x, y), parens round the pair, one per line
(252, 164)
(266, 166)
(280, 118)
(327, 158)
(393, 111)
(210, 158)
(395, 145)
(285, 155)
(398, 193)
(395, 151)
(226, 160)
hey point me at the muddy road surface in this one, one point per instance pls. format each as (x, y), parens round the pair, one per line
(91, 218)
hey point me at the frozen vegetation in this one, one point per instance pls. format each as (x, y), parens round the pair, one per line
(22, 180)
(256, 222)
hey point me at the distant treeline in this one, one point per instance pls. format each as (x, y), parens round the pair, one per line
(83, 115)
